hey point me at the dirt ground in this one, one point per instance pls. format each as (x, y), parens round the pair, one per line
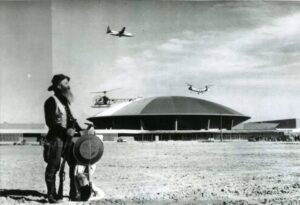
(168, 173)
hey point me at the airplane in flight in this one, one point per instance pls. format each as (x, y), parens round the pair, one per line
(121, 33)
(198, 90)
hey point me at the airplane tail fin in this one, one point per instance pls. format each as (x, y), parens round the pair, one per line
(108, 30)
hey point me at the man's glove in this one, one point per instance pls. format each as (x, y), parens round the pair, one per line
(70, 132)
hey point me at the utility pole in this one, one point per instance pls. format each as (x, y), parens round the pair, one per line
(221, 133)
(232, 121)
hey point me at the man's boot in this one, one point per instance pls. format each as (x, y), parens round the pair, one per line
(51, 199)
(51, 192)
(73, 194)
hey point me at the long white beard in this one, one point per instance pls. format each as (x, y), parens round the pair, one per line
(67, 93)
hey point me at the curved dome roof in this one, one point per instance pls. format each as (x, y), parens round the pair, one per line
(169, 105)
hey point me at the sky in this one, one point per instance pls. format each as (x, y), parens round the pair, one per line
(248, 51)
(25, 60)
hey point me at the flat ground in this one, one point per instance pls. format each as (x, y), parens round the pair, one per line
(168, 173)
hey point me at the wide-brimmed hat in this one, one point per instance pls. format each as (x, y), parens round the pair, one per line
(88, 149)
(56, 80)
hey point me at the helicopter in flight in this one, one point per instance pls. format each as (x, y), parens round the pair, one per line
(198, 90)
(103, 101)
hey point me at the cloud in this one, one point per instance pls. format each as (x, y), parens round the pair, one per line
(174, 45)
(126, 62)
(274, 42)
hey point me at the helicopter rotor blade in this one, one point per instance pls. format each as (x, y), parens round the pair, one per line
(106, 91)
(113, 89)
(99, 92)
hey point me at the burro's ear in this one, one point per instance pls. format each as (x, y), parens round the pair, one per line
(89, 125)
(99, 136)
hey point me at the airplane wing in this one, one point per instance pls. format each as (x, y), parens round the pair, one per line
(127, 35)
(122, 31)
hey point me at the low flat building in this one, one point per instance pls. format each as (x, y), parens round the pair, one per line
(281, 129)
(17, 132)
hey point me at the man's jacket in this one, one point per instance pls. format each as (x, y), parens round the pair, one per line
(58, 117)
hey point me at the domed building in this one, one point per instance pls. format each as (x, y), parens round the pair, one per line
(168, 117)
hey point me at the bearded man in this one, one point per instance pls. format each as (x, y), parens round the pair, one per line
(62, 127)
